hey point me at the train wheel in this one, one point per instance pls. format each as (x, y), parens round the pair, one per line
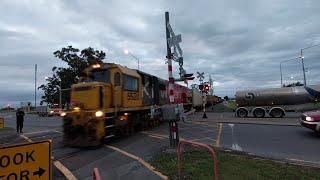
(259, 113)
(242, 112)
(277, 113)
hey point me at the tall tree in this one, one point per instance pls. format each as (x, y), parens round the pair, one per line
(77, 61)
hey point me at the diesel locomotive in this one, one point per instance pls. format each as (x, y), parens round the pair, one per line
(111, 99)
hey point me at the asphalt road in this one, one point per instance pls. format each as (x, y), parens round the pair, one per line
(293, 143)
(125, 157)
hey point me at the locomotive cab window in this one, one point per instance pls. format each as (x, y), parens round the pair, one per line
(101, 76)
(131, 83)
(117, 79)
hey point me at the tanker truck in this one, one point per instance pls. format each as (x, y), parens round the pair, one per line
(275, 101)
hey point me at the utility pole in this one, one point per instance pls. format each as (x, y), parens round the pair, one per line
(35, 86)
(303, 69)
(281, 75)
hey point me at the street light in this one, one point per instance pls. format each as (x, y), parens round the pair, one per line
(281, 67)
(126, 51)
(60, 94)
(302, 62)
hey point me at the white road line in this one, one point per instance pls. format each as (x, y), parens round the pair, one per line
(300, 160)
(143, 162)
(159, 137)
(235, 145)
(155, 134)
(44, 131)
(67, 173)
(26, 138)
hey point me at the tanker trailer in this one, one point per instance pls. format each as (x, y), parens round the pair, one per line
(275, 101)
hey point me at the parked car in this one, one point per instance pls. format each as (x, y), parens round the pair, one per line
(311, 120)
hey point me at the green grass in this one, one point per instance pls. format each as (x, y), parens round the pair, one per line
(198, 165)
(232, 104)
(220, 108)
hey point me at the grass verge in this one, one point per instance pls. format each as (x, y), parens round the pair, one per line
(198, 165)
(232, 104)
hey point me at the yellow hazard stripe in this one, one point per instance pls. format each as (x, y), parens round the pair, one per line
(219, 135)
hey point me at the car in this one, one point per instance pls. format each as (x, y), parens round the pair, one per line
(55, 112)
(311, 120)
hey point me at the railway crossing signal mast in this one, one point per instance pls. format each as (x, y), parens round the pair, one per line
(204, 88)
(173, 41)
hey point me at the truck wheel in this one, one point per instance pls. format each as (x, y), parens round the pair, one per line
(242, 112)
(276, 113)
(259, 113)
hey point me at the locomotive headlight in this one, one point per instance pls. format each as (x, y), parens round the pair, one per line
(99, 114)
(51, 112)
(309, 118)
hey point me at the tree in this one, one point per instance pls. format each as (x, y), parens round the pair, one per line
(77, 61)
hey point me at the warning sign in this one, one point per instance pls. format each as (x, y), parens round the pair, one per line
(26, 161)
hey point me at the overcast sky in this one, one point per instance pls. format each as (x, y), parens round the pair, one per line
(240, 42)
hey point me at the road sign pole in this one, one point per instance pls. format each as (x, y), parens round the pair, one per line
(173, 126)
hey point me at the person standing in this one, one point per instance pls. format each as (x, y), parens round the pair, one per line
(20, 118)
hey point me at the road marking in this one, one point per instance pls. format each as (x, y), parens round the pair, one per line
(143, 162)
(67, 173)
(26, 138)
(58, 131)
(300, 160)
(204, 123)
(155, 134)
(198, 139)
(159, 137)
(37, 132)
(235, 145)
(219, 135)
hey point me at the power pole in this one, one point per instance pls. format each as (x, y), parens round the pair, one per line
(303, 69)
(35, 86)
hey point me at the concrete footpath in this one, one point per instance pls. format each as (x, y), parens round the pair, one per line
(7, 135)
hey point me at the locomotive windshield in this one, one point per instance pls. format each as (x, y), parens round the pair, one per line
(102, 75)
